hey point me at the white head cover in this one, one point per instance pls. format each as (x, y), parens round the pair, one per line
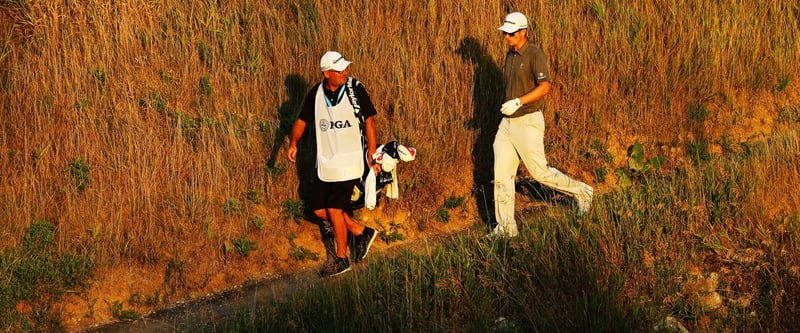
(406, 153)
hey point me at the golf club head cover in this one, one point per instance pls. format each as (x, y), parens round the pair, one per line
(406, 154)
(390, 148)
(387, 163)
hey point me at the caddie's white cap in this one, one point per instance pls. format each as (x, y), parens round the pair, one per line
(514, 22)
(333, 60)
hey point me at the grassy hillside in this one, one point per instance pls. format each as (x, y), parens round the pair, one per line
(151, 133)
(698, 248)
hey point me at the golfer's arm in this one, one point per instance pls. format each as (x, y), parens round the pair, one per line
(536, 94)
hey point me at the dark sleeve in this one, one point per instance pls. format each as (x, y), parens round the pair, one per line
(307, 109)
(540, 71)
(367, 108)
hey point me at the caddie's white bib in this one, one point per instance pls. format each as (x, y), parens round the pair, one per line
(340, 156)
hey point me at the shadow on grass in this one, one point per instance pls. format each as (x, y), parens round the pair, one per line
(487, 94)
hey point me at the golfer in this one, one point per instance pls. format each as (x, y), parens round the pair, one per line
(521, 131)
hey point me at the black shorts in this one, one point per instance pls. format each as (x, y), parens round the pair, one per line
(333, 194)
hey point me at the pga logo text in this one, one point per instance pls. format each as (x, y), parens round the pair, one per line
(325, 124)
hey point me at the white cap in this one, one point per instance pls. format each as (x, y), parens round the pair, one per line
(514, 22)
(333, 60)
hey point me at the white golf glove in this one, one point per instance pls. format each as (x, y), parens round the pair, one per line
(510, 107)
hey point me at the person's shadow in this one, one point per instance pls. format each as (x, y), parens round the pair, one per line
(487, 96)
(306, 158)
(296, 87)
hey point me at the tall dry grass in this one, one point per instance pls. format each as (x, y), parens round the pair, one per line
(712, 248)
(177, 107)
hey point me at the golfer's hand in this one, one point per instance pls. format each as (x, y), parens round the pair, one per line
(510, 107)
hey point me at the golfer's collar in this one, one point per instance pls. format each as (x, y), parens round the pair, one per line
(522, 49)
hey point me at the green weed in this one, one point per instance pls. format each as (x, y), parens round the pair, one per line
(392, 233)
(598, 9)
(698, 151)
(292, 209)
(174, 276)
(464, 282)
(252, 62)
(299, 252)
(258, 222)
(232, 206)
(789, 115)
(79, 173)
(45, 102)
(205, 85)
(166, 77)
(156, 101)
(453, 202)
(99, 76)
(698, 113)
(600, 174)
(205, 54)
(442, 215)
(208, 227)
(246, 16)
(82, 104)
(139, 299)
(275, 170)
(243, 246)
(782, 84)
(122, 314)
(638, 165)
(254, 196)
(37, 274)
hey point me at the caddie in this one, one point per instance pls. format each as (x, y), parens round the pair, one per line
(338, 107)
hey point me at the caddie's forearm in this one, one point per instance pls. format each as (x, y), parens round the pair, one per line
(372, 136)
(297, 132)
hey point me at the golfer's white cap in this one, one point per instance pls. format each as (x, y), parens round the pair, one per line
(514, 22)
(333, 60)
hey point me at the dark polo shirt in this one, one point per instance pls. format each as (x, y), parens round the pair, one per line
(335, 97)
(523, 71)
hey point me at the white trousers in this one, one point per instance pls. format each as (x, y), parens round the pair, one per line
(523, 137)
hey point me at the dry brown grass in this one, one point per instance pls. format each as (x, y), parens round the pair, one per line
(175, 105)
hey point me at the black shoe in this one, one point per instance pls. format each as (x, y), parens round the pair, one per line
(363, 242)
(328, 266)
(338, 266)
